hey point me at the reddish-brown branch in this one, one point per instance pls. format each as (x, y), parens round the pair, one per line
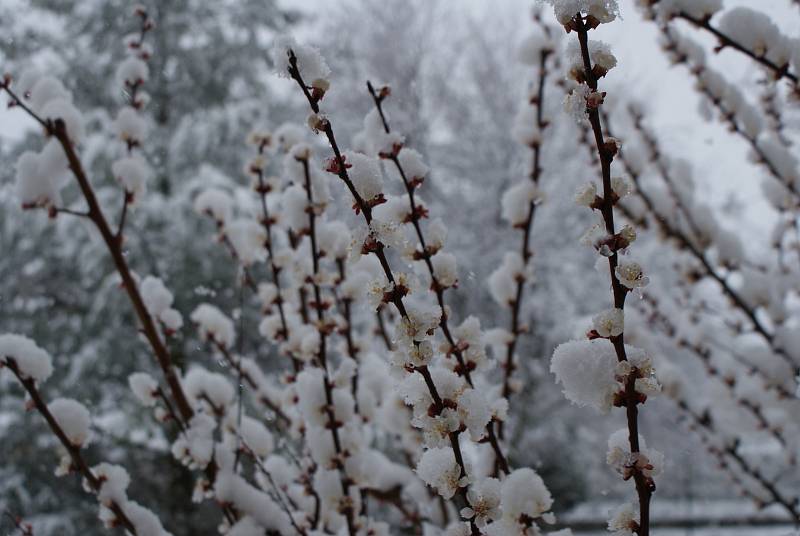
(323, 329)
(266, 222)
(78, 462)
(381, 328)
(644, 486)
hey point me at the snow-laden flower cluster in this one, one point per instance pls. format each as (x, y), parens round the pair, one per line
(42, 175)
(70, 421)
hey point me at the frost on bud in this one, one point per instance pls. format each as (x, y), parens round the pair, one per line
(318, 88)
(247, 237)
(621, 186)
(586, 196)
(627, 235)
(317, 122)
(445, 269)
(39, 177)
(611, 146)
(647, 462)
(600, 55)
(630, 275)
(609, 323)
(311, 66)
(595, 99)
(575, 103)
(624, 520)
(132, 72)
(517, 200)
(130, 127)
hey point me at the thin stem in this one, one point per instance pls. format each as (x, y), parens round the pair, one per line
(778, 71)
(514, 328)
(333, 424)
(425, 253)
(267, 221)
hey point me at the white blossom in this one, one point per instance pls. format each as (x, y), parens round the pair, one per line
(603, 10)
(438, 468)
(624, 520)
(630, 275)
(609, 323)
(586, 195)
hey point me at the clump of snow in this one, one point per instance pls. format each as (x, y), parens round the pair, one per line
(213, 325)
(63, 109)
(215, 203)
(73, 418)
(40, 176)
(310, 63)
(586, 370)
(32, 361)
(366, 175)
(247, 238)
(132, 172)
(438, 468)
(603, 10)
(132, 72)
(524, 493)
(756, 32)
(144, 388)
(130, 126)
